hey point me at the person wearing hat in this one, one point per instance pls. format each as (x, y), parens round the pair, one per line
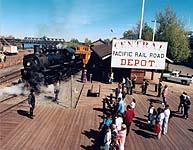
(31, 102)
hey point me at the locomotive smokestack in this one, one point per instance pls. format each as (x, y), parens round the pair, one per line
(37, 49)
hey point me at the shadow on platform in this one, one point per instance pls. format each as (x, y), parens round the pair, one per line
(23, 113)
(154, 101)
(141, 119)
(95, 137)
(190, 130)
(176, 114)
(144, 134)
(143, 125)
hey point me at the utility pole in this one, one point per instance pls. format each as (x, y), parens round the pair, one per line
(141, 24)
(154, 28)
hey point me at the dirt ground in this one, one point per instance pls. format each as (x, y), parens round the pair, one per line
(13, 60)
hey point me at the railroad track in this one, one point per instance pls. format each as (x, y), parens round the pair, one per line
(8, 98)
(4, 107)
(10, 77)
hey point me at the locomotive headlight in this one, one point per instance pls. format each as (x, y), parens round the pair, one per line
(28, 64)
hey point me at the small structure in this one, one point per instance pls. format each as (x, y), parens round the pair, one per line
(84, 51)
(99, 64)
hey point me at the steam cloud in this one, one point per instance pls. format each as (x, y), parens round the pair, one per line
(16, 89)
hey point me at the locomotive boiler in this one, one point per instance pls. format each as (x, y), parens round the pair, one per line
(49, 65)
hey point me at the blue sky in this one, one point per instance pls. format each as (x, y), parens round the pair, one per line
(82, 19)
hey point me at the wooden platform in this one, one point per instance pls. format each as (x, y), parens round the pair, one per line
(56, 128)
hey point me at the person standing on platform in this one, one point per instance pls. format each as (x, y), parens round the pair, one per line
(160, 86)
(144, 86)
(111, 77)
(84, 76)
(121, 106)
(122, 136)
(107, 139)
(151, 115)
(56, 91)
(129, 86)
(157, 129)
(128, 117)
(166, 119)
(160, 118)
(123, 83)
(107, 121)
(31, 102)
(187, 104)
(165, 94)
(134, 80)
(133, 103)
(114, 142)
(181, 104)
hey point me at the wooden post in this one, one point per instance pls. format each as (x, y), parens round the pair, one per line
(152, 74)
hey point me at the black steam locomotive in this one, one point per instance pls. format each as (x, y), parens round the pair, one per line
(49, 65)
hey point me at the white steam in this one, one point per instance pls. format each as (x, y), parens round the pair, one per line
(16, 89)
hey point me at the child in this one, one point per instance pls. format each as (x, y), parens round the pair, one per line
(157, 129)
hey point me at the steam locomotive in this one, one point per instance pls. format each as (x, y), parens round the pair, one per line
(49, 65)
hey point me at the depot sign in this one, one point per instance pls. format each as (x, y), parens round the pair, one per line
(138, 54)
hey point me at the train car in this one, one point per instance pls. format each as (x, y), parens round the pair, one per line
(48, 65)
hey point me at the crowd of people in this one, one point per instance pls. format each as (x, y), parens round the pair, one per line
(116, 125)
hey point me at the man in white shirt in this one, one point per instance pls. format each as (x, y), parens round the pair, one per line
(166, 119)
(107, 139)
(161, 117)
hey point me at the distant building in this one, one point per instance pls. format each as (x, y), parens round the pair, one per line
(29, 42)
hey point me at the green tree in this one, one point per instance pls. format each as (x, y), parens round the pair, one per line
(87, 41)
(107, 41)
(129, 34)
(147, 32)
(73, 43)
(172, 31)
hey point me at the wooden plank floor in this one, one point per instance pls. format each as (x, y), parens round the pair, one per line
(56, 128)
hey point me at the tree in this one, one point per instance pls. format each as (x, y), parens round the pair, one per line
(87, 41)
(107, 41)
(129, 34)
(147, 32)
(73, 43)
(172, 31)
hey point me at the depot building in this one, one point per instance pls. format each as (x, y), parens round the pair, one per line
(125, 58)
